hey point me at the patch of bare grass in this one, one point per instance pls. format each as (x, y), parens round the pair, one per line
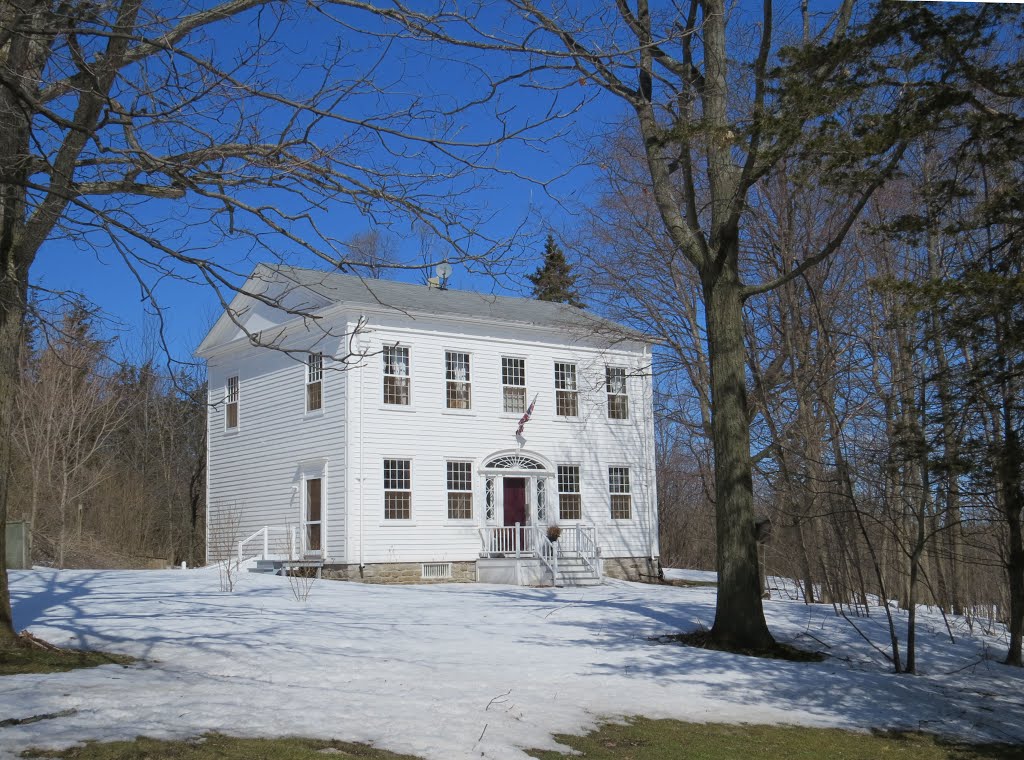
(644, 739)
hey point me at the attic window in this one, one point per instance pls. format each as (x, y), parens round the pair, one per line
(231, 410)
(314, 382)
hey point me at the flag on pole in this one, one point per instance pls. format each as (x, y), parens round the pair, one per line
(526, 417)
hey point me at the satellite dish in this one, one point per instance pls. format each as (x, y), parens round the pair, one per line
(444, 270)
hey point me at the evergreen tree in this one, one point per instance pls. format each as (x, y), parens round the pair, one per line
(554, 279)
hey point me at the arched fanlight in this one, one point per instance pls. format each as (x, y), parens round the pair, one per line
(514, 462)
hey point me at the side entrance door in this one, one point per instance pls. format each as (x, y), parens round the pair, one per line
(314, 517)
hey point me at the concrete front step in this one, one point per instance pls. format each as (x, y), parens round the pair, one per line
(277, 566)
(574, 572)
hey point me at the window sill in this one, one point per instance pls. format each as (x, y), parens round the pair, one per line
(231, 431)
(405, 408)
(315, 414)
(398, 523)
(471, 523)
(459, 412)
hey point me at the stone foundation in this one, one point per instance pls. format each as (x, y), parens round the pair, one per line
(399, 572)
(639, 569)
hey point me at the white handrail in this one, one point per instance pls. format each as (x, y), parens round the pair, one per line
(547, 551)
(287, 544)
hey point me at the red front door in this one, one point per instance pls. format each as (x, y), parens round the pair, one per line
(515, 500)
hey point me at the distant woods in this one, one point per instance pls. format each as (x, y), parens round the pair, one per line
(109, 454)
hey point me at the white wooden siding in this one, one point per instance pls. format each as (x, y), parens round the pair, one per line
(430, 435)
(258, 469)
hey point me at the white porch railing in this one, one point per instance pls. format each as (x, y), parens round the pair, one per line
(581, 541)
(286, 542)
(531, 541)
(511, 540)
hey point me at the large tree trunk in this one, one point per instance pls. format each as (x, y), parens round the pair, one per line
(11, 313)
(1009, 475)
(739, 617)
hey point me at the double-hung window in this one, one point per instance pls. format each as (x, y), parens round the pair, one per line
(397, 489)
(456, 371)
(618, 401)
(314, 382)
(396, 375)
(569, 500)
(566, 390)
(231, 409)
(513, 384)
(460, 490)
(618, 488)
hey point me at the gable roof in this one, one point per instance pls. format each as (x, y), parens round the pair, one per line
(329, 288)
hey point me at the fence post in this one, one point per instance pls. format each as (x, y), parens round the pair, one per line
(266, 542)
(515, 540)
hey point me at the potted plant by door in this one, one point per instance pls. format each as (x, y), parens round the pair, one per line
(554, 532)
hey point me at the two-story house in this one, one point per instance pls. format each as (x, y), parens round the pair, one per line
(399, 433)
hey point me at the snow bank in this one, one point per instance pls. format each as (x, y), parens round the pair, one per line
(458, 671)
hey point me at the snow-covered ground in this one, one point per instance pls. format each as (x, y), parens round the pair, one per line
(458, 671)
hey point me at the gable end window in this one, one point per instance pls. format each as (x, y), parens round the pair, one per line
(460, 490)
(231, 409)
(456, 371)
(396, 375)
(397, 489)
(566, 391)
(618, 488)
(314, 382)
(513, 382)
(618, 401)
(569, 503)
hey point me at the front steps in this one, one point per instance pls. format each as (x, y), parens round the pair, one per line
(283, 566)
(573, 571)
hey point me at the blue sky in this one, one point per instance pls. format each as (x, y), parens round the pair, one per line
(511, 205)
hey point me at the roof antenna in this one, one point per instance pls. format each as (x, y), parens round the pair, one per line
(444, 271)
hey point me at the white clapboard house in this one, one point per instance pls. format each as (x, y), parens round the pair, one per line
(376, 430)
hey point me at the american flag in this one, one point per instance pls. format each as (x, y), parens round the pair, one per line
(526, 417)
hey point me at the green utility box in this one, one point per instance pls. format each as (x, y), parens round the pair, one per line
(19, 546)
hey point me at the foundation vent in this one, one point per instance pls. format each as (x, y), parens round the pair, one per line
(435, 571)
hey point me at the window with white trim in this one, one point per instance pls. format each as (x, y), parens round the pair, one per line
(566, 390)
(397, 489)
(513, 381)
(570, 505)
(456, 372)
(618, 488)
(231, 408)
(618, 401)
(460, 490)
(314, 382)
(396, 375)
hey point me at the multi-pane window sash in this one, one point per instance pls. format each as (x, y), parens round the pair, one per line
(396, 375)
(456, 370)
(460, 490)
(542, 501)
(566, 390)
(314, 382)
(618, 487)
(618, 401)
(397, 489)
(569, 500)
(231, 409)
(513, 381)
